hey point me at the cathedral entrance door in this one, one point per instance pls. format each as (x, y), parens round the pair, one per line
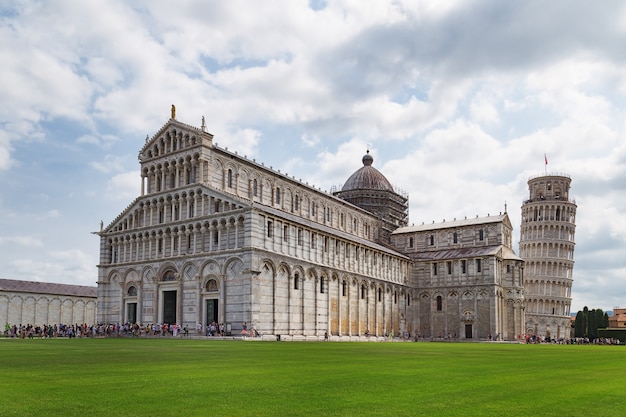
(169, 307)
(131, 313)
(468, 331)
(211, 311)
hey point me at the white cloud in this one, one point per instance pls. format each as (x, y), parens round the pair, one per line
(457, 101)
(27, 241)
(310, 140)
(71, 266)
(111, 164)
(124, 186)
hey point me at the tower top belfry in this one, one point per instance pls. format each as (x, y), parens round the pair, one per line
(549, 186)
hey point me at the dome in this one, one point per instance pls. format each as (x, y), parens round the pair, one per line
(367, 177)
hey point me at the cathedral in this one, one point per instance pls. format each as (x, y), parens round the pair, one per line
(217, 237)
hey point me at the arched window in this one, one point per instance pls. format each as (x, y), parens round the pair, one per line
(439, 303)
(322, 285)
(296, 203)
(132, 291)
(362, 292)
(230, 178)
(277, 195)
(255, 188)
(343, 288)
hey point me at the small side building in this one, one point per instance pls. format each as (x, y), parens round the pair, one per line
(617, 326)
(618, 319)
(40, 303)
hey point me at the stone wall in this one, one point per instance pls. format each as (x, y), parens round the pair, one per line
(39, 309)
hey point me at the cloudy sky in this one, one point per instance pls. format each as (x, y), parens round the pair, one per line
(458, 102)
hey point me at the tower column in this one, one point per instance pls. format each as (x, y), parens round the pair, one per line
(547, 247)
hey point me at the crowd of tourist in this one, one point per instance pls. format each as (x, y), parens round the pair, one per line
(114, 330)
(533, 339)
(214, 329)
(62, 330)
(98, 330)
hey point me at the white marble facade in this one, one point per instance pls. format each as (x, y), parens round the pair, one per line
(215, 236)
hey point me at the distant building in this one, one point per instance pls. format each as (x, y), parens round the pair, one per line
(40, 303)
(618, 319)
(215, 236)
(547, 247)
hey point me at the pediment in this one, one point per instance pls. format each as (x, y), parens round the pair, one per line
(123, 221)
(172, 137)
(506, 220)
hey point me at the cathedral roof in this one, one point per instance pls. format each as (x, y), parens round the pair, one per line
(502, 217)
(367, 177)
(472, 252)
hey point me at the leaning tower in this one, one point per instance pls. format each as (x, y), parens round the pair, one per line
(547, 247)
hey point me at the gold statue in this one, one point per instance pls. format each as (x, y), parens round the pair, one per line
(173, 111)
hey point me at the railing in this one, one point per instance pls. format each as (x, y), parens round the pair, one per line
(549, 174)
(555, 198)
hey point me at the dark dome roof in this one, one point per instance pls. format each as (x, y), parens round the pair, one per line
(367, 177)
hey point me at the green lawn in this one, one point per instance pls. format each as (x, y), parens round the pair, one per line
(156, 377)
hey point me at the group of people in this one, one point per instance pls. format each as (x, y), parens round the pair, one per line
(212, 329)
(48, 331)
(252, 332)
(97, 330)
(573, 341)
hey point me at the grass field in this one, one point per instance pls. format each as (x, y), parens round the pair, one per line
(175, 377)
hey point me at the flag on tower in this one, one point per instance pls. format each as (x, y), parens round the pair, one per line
(545, 157)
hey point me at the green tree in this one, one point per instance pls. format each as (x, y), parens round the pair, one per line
(592, 324)
(579, 331)
(588, 322)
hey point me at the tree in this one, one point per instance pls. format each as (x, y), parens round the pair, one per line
(579, 330)
(588, 322)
